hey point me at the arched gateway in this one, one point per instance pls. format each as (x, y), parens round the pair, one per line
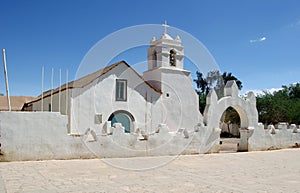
(246, 109)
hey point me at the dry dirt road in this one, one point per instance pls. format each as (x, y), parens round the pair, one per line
(269, 171)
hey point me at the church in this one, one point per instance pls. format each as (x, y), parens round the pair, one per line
(117, 112)
(163, 94)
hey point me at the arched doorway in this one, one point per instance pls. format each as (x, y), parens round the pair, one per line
(123, 117)
(230, 125)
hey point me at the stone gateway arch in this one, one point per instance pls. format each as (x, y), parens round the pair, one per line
(246, 108)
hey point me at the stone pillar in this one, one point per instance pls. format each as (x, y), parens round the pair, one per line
(245, 133)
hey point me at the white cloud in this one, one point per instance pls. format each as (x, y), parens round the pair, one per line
(295, 24)
(262, 92)
(261, 39)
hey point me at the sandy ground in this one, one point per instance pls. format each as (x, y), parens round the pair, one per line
(269, 171)
(229, 145)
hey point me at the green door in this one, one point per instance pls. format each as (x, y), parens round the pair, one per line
(123, 119)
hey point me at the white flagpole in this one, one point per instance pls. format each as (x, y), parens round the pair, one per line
(42, 99)
(67, 92)
(59, 90)
(51, 103)
(6, 79)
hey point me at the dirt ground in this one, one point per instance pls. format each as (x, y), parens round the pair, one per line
(229, 145)
(268, 171)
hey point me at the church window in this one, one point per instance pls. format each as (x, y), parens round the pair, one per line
(121, 90)
(172, 58)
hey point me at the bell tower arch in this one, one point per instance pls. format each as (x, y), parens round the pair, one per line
(165, 52)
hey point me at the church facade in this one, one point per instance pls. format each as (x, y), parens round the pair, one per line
(118, 94)
(116, 112)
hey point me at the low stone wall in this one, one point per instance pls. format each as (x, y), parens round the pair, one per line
(43, 136)
(271, 138)
(161, 143)
(38, 136)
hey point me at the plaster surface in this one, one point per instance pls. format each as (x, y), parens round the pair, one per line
(38, 136)
(269, 139)
(43, 136)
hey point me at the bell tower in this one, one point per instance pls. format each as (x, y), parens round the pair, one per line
(165, 59)
(165, 52)
(178, 101)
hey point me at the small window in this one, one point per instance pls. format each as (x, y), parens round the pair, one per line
(172, 58)
(121, 90)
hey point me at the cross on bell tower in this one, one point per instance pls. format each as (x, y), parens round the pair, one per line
(165, 27)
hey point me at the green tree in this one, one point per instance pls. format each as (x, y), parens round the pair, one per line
(231, 116)
(201, 83)
(294, 91)
(280, 106)
(228, 76)
(215, 80)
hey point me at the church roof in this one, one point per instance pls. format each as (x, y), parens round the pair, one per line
(89, 79)
(16, 102)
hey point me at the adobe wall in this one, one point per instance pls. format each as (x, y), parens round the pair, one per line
(99, 98)
(38, 136)
(43, 136)
(274, 138)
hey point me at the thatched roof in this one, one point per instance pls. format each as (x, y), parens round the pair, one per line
(88, 79)
(16, 102)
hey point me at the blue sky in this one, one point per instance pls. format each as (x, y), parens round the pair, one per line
(258, 40)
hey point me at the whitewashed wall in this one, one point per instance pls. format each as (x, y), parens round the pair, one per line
(98, 97)
(179, 100)
(38, 136)
(177, 106)
(43, 136)
(182, 105)
(268, 139)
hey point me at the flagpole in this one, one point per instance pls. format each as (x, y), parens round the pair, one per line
(42, 99)
(51, 93)
(67, 92)
(59, 90)
(6, 79)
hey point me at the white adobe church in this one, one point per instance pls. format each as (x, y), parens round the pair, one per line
(115, 112)
(162, 95)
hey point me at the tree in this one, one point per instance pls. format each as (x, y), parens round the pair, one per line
(230, 116)
(228, 76)
(280, 106)
(294, 91)
(215, 80)
(201, 83)
(202, 91)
